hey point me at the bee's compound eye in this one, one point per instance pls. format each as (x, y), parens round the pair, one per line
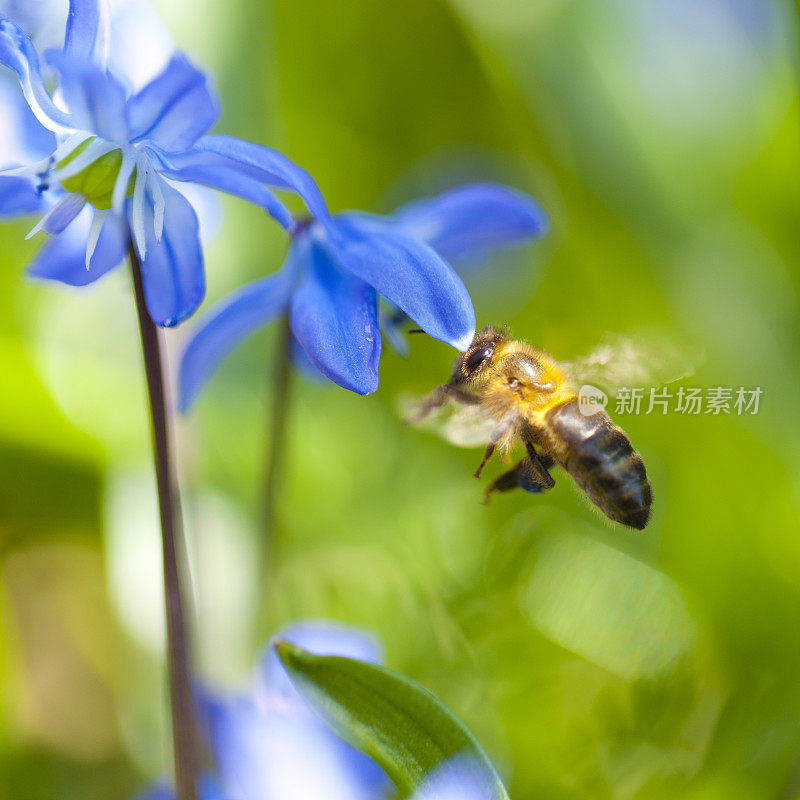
(476, 358)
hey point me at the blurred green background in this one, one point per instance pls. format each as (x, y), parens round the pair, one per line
(663, 139)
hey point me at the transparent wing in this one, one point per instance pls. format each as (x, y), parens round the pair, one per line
(461, 425)
(647, 358)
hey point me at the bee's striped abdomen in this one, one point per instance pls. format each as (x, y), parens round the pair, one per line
(602, 462)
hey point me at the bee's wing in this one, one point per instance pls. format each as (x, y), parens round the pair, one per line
(461, 425)
(646, 358)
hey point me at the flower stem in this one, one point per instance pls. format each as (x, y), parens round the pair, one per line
(276, 440)
(183, 723)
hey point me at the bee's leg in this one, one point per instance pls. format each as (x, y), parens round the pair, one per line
(438, 397)
(529, 474)
(486, 456)
(546, 460)
(540, 463)
(498, 434)
(460, 395)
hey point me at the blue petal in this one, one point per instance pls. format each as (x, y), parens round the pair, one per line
(334, 317)
(272, 754)
(472, 219)
(226, 325)
(22, 139)
(95, 98)
(266, 165)
(459, 778)
(140, 46)
(18, 196)
(62, 214)
(175, 108)
(207, 789)
(87, 31)
(172, 269)
(158, 792)
(63, 259)
(18, 53)
(235, 183)
(392, 322)
(408, 273)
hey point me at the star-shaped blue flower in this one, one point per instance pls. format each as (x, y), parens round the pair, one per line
(104, 179)
(338, 265)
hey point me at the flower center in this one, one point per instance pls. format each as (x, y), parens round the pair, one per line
(96, 181)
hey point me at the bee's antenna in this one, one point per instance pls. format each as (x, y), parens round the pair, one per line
(416, 330)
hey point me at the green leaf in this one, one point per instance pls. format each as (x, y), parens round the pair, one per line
(396, 722)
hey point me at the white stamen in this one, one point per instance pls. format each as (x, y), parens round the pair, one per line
(64, 149)
(154, 184)
(95, 150)
(60, 215)
(123, 177)
(69, 144)
(26, 171)
(94, 234)
(137, 207)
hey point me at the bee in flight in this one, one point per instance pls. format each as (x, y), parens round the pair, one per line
(516, 393)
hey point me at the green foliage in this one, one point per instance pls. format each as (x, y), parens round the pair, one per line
(390, 718)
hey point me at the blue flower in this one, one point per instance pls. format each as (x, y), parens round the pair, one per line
(338, 265)
(103, 181)
(262, 743)
(268, 745)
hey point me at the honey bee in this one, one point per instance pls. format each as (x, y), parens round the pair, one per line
(526, 397)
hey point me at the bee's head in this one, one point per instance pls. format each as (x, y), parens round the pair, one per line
(476, 359)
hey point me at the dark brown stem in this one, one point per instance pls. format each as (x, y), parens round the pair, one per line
(183, 723)
(276, 441)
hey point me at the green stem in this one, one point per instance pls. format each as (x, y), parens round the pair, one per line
(276, 440)
(183, 722)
